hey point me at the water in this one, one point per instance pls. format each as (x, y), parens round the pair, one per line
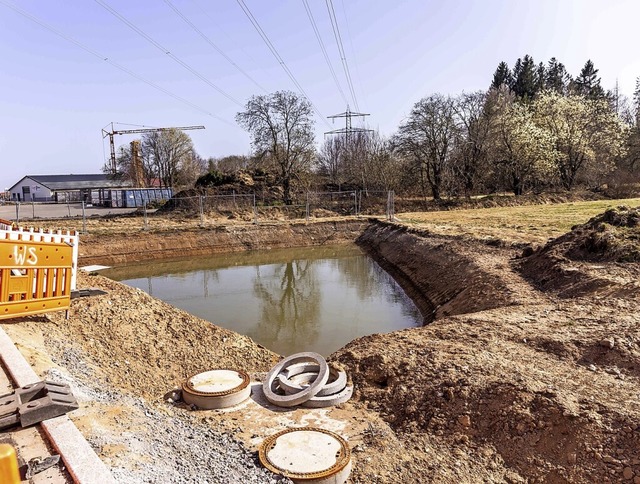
(307, 299)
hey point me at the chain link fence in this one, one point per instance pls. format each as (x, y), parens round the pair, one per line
(214, 209)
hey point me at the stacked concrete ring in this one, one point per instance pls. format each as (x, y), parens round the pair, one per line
(311, 391)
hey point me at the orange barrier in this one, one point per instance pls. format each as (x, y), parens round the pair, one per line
(9, 471)
(35, 277)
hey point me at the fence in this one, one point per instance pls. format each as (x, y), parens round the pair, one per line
(211, 209)
(37, 271)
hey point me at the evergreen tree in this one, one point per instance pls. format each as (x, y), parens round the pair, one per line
(557, 77)
(502, 76)
(636, 101)
(588, 83)
(541, 78)
(524, 73)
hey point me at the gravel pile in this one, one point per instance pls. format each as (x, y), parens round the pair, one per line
(171, 446)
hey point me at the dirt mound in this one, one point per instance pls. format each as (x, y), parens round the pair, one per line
(613, 236)
(133, 338)
(519, 397)
(570, 265)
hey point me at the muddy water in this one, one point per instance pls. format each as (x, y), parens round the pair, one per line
(307, 299)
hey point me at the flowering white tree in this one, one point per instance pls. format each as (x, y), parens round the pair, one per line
(587, 135)
(520, 148)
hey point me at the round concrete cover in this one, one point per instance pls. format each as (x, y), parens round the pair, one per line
(306, 452)
(215, 381)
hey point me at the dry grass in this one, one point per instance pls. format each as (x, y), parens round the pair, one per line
(523, 224)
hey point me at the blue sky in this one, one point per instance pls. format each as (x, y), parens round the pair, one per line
(55, 97)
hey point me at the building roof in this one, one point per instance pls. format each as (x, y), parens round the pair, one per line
(78, 182)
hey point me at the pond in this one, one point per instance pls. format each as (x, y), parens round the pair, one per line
(303, 299)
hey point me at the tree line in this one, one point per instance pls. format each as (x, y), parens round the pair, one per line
(536, 128)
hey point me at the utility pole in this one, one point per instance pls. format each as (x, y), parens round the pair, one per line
(348, 129)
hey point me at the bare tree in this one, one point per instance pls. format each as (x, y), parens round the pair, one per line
(427, 137)
(166, 152)
(232, 163)
(281, 127)
(191, 168)
(385, 167)
(330, 160)
(474, 122)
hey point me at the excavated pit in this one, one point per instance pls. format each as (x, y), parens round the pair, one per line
(507, 384)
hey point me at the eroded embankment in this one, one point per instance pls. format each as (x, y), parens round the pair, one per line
(442, 275)
(141, 246)
(543, 390)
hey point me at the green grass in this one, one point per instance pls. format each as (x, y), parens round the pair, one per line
(521, 224)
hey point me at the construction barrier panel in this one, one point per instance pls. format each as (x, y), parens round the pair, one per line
(8, 231)
(35, 274)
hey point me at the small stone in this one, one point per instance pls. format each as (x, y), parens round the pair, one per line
(636, 480)
(464, 420)
(607, 343)
(592, 367)
(572, 458)
(627, 473)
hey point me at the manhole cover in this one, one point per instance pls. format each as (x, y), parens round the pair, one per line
(216, 389)
(307, 454)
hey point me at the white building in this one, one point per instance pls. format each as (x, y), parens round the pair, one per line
(102, 190)
(60, 188)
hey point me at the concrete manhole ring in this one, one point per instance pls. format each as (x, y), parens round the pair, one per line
(306, 393)
(297, 382)
(330, 400)
(214, 389)
(307, 454)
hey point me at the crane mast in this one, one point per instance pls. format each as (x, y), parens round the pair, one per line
(113, 132)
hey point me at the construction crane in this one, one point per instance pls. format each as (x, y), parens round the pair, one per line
(113, 132)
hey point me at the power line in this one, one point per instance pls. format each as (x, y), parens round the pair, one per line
(275, 53)
(343, 57)
(353, 51)
(212, 44)
(166, 51)
(215, 22)
(109, 61)
(324, 50)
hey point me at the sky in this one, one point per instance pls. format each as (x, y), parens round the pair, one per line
(59, 90)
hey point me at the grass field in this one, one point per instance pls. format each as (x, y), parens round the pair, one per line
(523, 224)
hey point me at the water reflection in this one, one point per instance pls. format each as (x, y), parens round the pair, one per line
(310, 299)
(291, 302)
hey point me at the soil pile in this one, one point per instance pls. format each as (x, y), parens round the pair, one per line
(146, 346)
(543, 390)
(571, 265)
(613, 236)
